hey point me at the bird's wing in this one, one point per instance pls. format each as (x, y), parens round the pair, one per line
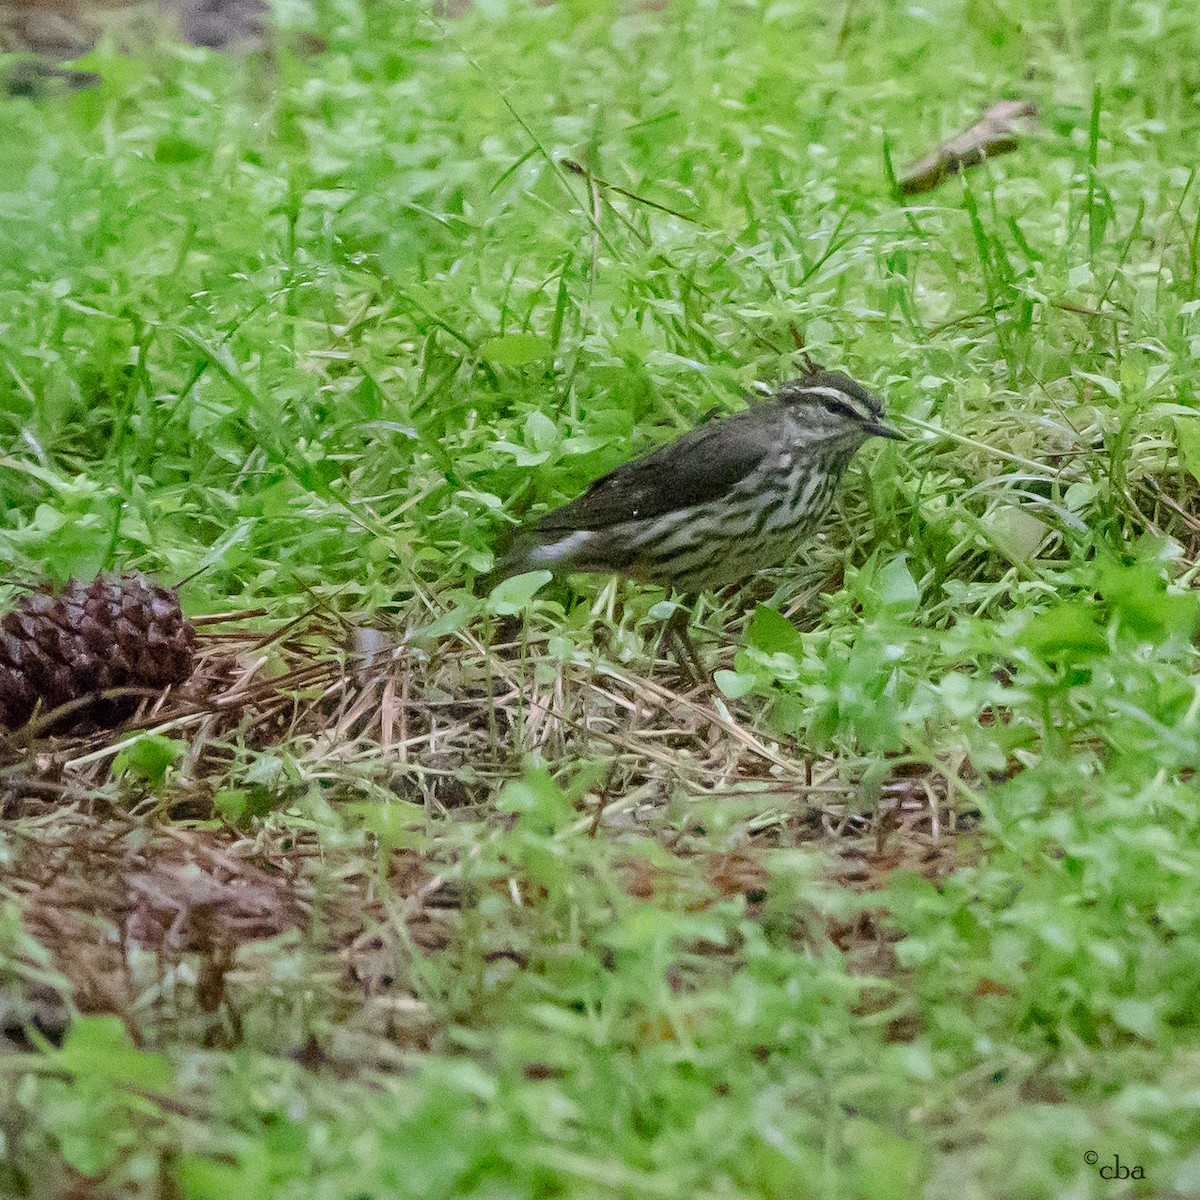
(702, 465)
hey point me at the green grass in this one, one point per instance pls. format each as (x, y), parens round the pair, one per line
(318, 331)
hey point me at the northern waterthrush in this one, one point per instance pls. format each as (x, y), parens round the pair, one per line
(726, 500)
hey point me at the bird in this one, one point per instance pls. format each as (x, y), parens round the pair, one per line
(734, 496)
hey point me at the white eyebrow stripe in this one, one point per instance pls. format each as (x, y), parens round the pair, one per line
(858, 407)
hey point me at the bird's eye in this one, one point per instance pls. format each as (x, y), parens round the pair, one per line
(838, 408)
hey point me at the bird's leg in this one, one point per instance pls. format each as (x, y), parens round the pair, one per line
(675, 633)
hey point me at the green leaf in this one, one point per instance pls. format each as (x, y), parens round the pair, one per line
(210, 1179)
(147, 756)
(267, 770)
(100, 1049)
(538, 800)
(174, 149)
(1068, 631)
(232, 803)
(1077, 277)
(1142, 604)
(1110, 387)
(512, 595)
(516, 349)
(523, 456)
(897, 588)
(449, 622)
(238, 804)
(1016, 531)
(398, 824)
(1139, 1016)
(1187, 436)
(541, 432)
(734, 684)
(773, 633)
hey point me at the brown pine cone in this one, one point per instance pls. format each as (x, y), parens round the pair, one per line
(117, 631)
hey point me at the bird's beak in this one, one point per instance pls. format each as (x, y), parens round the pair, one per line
(879, 429)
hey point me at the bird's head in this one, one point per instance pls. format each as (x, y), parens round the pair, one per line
(831, 406)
